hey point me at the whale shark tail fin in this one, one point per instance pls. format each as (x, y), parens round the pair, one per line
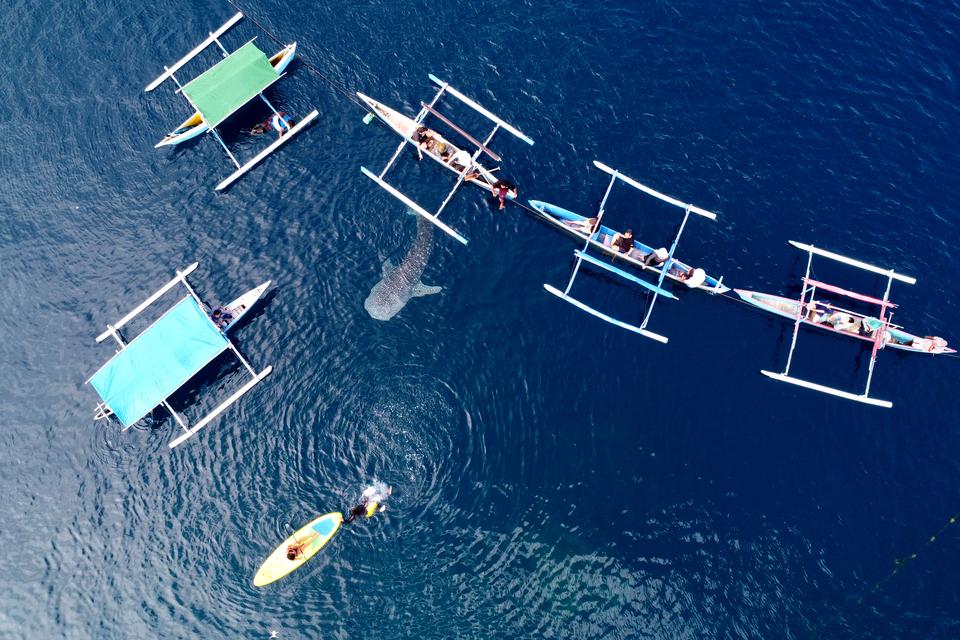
(421, 289)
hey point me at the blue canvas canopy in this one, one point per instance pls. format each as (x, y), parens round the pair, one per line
(159, 361)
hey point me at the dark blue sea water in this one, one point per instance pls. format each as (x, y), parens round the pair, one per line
(554, 477)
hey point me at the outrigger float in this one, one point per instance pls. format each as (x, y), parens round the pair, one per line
(878, 330)
(601, 238)
(222, 90)
(165, 356)
(442, 150)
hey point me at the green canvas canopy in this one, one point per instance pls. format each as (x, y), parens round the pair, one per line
(229, 85)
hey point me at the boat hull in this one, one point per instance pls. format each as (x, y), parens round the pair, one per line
(787, 308)
(195, 126)
(560, 218)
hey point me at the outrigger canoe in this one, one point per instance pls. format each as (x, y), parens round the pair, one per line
(309, 539)
(442, 152)
(896, 338)
(566, 221)
(194, 125)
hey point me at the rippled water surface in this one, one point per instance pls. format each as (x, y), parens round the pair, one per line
(553, 477)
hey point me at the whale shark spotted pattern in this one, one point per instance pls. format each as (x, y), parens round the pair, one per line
(401, 283)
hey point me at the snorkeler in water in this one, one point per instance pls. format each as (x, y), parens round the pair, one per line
(371, 502)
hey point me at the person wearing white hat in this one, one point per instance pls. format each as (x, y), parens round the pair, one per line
(656, 258)
(693, 278)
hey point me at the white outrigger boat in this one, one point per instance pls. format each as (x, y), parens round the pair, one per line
(166, 355)
(601, 238)
(222, 90)
(876, 329)
(464, 165)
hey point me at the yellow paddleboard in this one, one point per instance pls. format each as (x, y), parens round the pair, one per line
(310, 539)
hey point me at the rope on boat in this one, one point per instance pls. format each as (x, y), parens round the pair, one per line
(336, 86)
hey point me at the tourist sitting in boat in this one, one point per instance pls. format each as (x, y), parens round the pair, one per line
(501, 189)
(424, 139)
(587, 226)
(221, 317)
(656, 258)
(842, 321)
(693, 278)
(623, 242)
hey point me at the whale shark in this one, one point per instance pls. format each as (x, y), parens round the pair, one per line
(400, 283)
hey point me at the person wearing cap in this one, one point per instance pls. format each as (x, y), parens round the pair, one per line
(656, 258)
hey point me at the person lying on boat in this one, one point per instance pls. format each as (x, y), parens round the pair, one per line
(587, 226)
(501, 189)
(371, 503)
(930, 344)
(843, 321)
(221, 317)
(657, 257)
(295, 550)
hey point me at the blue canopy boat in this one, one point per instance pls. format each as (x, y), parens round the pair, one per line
(165, 356)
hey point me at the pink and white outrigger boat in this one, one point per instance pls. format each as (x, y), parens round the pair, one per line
(878, 330)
